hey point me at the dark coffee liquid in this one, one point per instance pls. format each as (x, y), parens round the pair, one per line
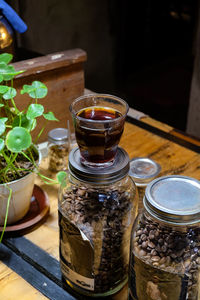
(99, 113)
(98, 142)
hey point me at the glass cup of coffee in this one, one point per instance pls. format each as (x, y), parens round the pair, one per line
(99, 123)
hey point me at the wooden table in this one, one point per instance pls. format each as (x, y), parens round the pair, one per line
(29, 267)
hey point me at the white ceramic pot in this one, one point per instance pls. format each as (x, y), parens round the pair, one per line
(22, 190)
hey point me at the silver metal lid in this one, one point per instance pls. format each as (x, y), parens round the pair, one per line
(110, 174)
(58, 135)
(174, 199)
(143, 170)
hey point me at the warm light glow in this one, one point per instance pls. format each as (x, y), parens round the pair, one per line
(5, 37)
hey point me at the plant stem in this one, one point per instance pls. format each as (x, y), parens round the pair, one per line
(50, 181)
(32, 160)
(6, 216)
(12, 100)
(43, 177)
(15, 107)
(10, 165)
(39, 134)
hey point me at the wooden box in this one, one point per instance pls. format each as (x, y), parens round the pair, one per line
(63, 74)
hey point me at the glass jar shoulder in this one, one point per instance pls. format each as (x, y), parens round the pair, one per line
(118, 197)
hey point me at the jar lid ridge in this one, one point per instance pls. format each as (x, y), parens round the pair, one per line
(143, 170)
(174, 199)
(113, 173)
(58, 135)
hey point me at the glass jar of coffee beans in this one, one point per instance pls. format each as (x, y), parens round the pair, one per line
(58, 149)
(165, 242)
(97, 208)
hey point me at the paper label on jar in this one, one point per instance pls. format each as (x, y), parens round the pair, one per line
(76, 254)
(82, 281)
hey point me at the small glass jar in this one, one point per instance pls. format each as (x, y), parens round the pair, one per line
(97, 208)
(143, 170)
(165, 243)
(58, 149)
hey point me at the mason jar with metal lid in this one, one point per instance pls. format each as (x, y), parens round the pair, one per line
(58, 149)
(97, 208)
(165, 242)
(143, 170)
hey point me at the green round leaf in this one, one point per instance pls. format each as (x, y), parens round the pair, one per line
(33, 124)
(11, 93)
(3, 89)
(1, 78)
(40, 90)
(34, 111)
(50, 116)
(23, 121)
(18, 139)
(8, 71)
(27, 89)
(3, 67)
(1, 144)
(1, 105)
(4, 119)
(6, 57)
(2, 127)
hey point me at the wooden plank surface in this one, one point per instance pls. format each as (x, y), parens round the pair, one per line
(13, 286)
(137, 141)
(21, 279)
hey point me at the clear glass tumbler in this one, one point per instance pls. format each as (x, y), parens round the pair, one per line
(99, 123)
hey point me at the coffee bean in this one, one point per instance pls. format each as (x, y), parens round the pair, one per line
(136, 238)
(144, 245)
(152, 226)
(142, 253)
(145, 231)
(139, 232)
(81, 192)
(163, 248)
(198, 260)
(173, 255)
(158, 248)
(151, 245)
(151, 236)
(143, 237)
(168, 260)
(162, 260)
(155, 258)
(153, 252)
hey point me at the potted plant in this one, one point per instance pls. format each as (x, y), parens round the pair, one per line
(19, 156)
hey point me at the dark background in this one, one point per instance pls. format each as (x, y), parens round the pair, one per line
(154, 56)
(141, 51)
